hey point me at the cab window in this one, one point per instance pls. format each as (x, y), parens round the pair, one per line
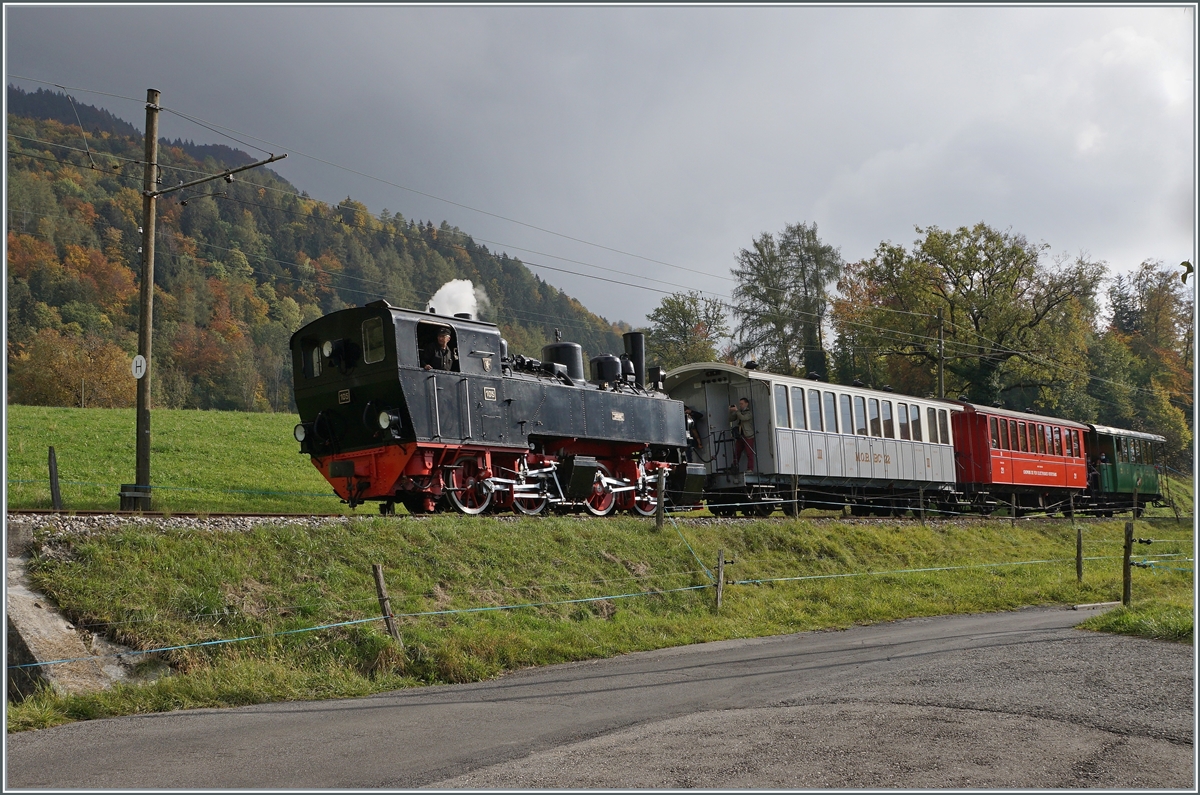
(311, 358)
(372, 333)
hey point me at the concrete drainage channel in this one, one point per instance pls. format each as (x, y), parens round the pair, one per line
(39, 633)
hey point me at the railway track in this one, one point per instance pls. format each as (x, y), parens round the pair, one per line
(777, 516)
(169, 514)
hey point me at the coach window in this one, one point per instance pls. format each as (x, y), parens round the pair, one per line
(831, 412)
(916, 422)
(995, 434)
(933, 434)
(1075, 442)
(1149, 452)
(889, 426)
(944, 425)
(860, 416)
(1023, 433)
(902, 416)
(847, 415)
(798, 408)
(1012, 435)
(372, 332)
(1049, 441)
(814, 410)
(781, 407)
(1004, 435)
(1058, 441)
(873, 416)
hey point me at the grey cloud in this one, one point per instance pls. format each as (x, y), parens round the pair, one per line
(681, 133)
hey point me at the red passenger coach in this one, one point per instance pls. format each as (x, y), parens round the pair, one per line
(1009, 458)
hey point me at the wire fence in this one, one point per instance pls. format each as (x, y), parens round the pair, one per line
(1148, 562)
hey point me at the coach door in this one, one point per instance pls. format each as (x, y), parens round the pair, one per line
(718, 442)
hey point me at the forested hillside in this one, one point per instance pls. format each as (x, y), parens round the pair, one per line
(238, 268)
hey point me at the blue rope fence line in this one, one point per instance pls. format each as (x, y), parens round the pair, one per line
(707, 573)
(348, 602)
(1155, 566)
(364, 621)
(211, 490)
(926, 570)
(493, 608)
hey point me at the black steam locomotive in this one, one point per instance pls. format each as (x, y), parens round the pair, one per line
(386, 417)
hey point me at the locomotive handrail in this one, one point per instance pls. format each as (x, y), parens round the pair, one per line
(467, 404)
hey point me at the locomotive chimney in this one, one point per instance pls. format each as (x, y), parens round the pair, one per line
(635, 348)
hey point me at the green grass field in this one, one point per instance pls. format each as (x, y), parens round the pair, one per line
(199, 460)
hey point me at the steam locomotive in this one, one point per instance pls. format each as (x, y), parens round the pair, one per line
(492, 431)
(499, 432)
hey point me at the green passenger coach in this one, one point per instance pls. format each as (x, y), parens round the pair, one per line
(1123, 469)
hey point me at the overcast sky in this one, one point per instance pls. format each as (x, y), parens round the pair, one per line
(676, 135)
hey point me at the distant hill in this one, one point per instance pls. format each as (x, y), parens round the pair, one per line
(238, 267)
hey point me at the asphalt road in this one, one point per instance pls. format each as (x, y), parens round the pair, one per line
(1001, 700)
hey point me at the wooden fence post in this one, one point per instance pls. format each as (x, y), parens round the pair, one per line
(660, 509)
(1127, 577)
(55, 494)
(720, 577)
(385, 604)
(1079, 555)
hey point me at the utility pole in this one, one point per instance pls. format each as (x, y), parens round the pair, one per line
(146, 304)
(941, 356)
(138, 497)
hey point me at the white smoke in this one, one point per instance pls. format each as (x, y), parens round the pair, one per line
(459, 295)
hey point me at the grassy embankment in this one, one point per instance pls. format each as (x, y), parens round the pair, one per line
(150, 587)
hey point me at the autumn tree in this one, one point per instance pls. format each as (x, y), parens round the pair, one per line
(685, 327)
(1016, 326)
(66, 370)
(1151, 334)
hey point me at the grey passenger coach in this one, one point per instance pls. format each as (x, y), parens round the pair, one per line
(813, 443)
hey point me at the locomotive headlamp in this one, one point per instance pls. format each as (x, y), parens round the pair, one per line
(385, 419)
(300, 432)
(327, 348)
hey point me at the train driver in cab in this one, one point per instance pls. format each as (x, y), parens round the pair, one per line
(439, 355)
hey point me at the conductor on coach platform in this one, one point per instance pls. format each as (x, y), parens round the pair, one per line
(741, 418)
(439, 355)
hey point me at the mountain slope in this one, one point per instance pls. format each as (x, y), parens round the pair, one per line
(238, 267)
